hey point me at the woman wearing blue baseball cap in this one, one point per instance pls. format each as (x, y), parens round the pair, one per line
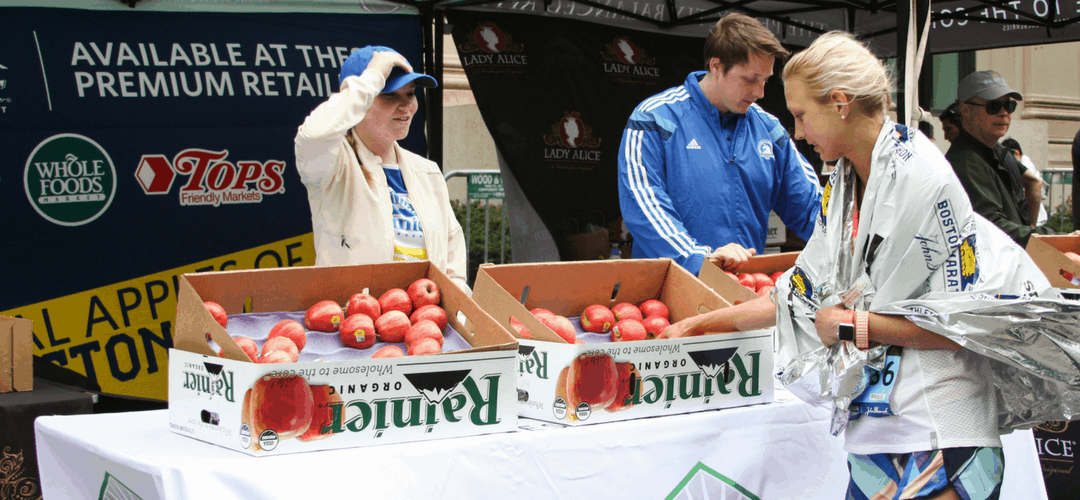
(371, 200)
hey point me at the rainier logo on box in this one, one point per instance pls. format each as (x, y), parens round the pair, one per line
(440, 400)
(69, 179)
(211, 179)
(710, 379)
(532, 361)
(210, 379)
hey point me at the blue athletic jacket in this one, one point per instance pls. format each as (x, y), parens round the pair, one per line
(691, 180)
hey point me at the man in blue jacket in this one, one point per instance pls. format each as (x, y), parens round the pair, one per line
(701, 166)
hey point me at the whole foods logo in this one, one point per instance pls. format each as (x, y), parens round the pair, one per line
(491, 46)
(595, 381)
(69, 179)
(627, 59)
(573, 140)
(211, 180)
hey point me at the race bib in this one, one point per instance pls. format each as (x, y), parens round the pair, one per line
(874, 400)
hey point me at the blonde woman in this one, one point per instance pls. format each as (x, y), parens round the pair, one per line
(371, 200)
(895, 225)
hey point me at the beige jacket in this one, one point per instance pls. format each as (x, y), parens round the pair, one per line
(351, 220)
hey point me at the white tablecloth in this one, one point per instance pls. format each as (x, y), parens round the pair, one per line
(775, 451)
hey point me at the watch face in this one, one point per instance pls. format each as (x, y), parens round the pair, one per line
(846, 332)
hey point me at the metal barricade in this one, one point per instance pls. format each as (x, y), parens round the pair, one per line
(482, 185)
(1057, 191)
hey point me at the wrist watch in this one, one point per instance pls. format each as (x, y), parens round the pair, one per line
(846, 332)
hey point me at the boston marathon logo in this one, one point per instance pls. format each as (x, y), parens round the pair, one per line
(69, 179)
(628, 60)
(210, 379)
(572, 141)
(801, 286)
(211, 180)
(492, 47)
(439, 399)
(825, 195)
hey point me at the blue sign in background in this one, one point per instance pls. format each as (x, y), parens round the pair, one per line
(118, 78)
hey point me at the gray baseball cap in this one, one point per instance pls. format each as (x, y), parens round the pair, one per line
(987, 84)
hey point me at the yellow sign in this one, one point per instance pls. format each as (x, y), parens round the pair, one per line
(119, 335)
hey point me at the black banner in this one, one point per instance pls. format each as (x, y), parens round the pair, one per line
(1058, 454)
(556, 94)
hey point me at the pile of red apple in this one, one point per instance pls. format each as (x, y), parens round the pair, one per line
(626, 321)
(410, 316)
(760, 283)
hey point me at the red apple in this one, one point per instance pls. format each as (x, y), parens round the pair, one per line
(747, 281)
(283, 344)
(249, 347)
(388, 351)
(592, 379)
(628, 381)
(626, 310)
(424, 292)
(357, 331)
(392, 326)
(396, 299)
(291, 329)
(628, 330)
(522, 330)
(324, 397)
(597, 319)
(654, 307)
(561, 326)
(363, 303)
(540, 311)
(762, 279)
(423, 329)
(283, 404)
(278, 356)
(324, 316)
(432, 313)
(217, 312)
(765, 291)
(654, 325)
(425, 346)
(776, 276)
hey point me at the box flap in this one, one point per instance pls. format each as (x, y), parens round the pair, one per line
(1060, 270)
(728, 288)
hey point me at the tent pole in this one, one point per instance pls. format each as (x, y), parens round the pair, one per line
(433, 53)
(903, 19)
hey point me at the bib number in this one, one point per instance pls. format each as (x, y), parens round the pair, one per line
(874, 400)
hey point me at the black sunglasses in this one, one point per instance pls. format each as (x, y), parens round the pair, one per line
(993, 107)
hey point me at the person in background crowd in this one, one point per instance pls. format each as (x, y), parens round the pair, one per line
(950, 122)
(1076, 180)
(992, 178)
(701, 166)
(1034, 188)
(371, 200)
(927, 129)
(939, 439)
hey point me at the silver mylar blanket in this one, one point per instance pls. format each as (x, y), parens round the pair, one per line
(922, 252)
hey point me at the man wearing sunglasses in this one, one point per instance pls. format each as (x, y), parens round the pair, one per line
(994, 180)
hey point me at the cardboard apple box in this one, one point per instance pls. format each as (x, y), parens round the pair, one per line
(228, 400)
(16, 354)
(651, 377)
(733, 291)
(1048, 252)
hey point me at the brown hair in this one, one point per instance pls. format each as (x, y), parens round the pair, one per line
(352, 145)
(735, 36)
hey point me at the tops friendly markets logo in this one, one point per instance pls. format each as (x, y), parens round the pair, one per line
(211, 180)
(70, 179)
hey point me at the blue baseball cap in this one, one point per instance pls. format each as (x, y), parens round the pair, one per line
(358, 62)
